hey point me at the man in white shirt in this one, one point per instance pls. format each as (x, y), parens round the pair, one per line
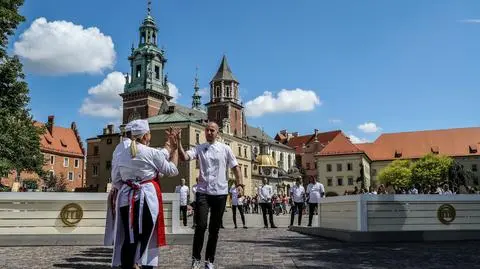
(184, 192)
(265, 194)
(215, 159)
(315, 192)
(297, 192)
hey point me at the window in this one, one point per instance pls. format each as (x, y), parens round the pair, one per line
(95, 170)
(52, 159)
(240, 151)
(217, 92)
(70, 176)
(197, 138)
(339, 167)
(245, 171)
(245, 152)
(308, 166)
(329, 181)
(289, 161)
(474, 168)
(315, 165)
(273, 154)
(349, 166)
(157, 72)
(65, 162)
(138, 70)
(95, 150)
(109, 141)
(108, 165)
(339, 181)
(329, 168)
(218, 115)
(227, 89)
(350, 181)
(77, 163)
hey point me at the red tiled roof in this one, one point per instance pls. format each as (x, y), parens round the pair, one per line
(340, 145)
(412, 145)
(62, 141)
(323, 138)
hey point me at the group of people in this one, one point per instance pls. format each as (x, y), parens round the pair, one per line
(135, 224)
(442, 189)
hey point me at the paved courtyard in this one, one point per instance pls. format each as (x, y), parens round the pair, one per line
(262, 249)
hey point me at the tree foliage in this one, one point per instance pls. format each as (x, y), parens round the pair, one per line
(19, 138)
(431, 170)
(55, 183)
(398, 173)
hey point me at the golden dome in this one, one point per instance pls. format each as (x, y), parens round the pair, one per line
(266, 160)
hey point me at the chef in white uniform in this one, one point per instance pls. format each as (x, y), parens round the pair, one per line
(236, 193)
(184, 192)
(315, 191)
(136, 228)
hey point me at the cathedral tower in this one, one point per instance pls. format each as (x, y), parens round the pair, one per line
(225, 107)
(146, 86)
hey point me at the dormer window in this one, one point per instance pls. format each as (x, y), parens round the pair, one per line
(434, 149)
(398, 153)
(138, 70)
(48, 140)
(63, 143)
(472, 149)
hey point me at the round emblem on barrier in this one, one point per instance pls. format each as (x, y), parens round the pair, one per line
(71, 214)
(446, 214)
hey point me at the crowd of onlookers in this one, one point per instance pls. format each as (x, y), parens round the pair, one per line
(442, 189)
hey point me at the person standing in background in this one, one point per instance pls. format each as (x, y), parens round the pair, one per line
(236, 194)
(297, 192)
(265, 194)
(184, 192)
(315, 192)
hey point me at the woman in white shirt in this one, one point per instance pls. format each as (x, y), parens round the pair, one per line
(236, 194)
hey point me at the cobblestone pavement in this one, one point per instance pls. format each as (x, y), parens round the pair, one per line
(264, 249)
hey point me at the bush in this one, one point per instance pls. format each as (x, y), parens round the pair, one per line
(30, 184)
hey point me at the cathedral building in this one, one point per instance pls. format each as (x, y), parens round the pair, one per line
(146, 96)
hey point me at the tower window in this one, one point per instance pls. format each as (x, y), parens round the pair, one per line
(157, 72)
(138, 70)
(217, 91)
(218, 115)
(154, 39)
(143, 38)
(227, 89)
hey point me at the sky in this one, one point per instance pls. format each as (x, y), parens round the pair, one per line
(364, 67)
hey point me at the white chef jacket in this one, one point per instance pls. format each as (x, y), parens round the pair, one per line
(298, 193)
(265, 194)
(315, 192)
(183, 190)
(214, 160)
(234, 192)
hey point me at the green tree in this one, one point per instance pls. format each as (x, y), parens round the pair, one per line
(19, 137)
(431, 170)
(398, 174)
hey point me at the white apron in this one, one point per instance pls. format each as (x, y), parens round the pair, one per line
(114, 230)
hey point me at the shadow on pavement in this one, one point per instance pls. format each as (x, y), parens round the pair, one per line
(93, 258)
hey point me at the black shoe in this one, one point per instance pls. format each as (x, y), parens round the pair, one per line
(221, 227)
(274, 227)
(236, 227)
(245, 227)
(309, 225)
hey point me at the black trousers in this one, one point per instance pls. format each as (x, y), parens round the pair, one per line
(183, 211)
(234, 211)
(216, 204)
(129, 249)
(311, 211)
(299, 209)
(267, 208)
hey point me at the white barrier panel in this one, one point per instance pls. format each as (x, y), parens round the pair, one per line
(400, 212)
(43, 213)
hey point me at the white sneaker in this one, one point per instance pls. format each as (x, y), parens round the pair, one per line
(209, 265)
(196, 264)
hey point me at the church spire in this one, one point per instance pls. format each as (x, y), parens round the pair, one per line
(224, 72)
(196, 98)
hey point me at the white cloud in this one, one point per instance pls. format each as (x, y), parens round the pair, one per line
(286, 101)
(204, 93)
(104, 99)
(369, 127)
(470, 21)
(357, 140)
(61, 47)
(174, 92)
(335, 121)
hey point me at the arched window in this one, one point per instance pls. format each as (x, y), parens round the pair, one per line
(289, 161)
(273, 154)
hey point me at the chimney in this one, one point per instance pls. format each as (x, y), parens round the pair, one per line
(316, 134)
(295, 134)
(73, 126)
(51, 122)
(110, 128)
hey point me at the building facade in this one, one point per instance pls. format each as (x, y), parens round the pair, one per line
(342, 166)
(64, 157)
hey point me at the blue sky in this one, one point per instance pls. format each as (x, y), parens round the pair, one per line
(395, 65)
